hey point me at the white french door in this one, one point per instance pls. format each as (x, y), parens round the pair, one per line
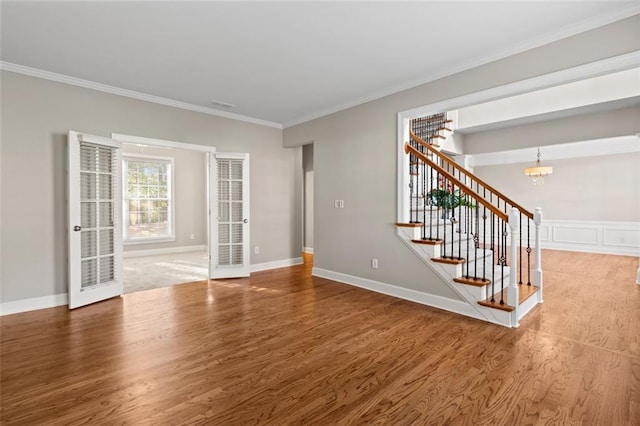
(230, 228)
(95, 219)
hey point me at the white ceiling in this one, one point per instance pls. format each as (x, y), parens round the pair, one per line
(284, 62)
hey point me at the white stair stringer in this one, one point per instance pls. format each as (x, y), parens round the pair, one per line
(470, 294)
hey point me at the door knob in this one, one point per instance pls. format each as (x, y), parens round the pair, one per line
(246, 221)
(77, 228)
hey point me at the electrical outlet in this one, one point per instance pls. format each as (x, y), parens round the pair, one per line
(374, 263)
(256, 250)
(336, 204)
(341, 203)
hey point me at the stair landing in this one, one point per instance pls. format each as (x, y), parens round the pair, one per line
(524, 292)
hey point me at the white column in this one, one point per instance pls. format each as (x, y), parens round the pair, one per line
(512, 296)
(537, 273)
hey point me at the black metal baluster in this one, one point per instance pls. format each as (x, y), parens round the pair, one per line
(430, 203)
(504, 245)
(499, 234)
(411, 189)
(467, 226)
(502, 261)
(452, 217)
(416, 191)
(520, 250)
(529, 253)
(459, 230)
(424, 199)
(493, 260)
(484, 236)
(444, 234)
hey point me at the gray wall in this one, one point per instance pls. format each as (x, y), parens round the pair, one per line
(307, 167)
(355, 157)
(603, 188)
(36, 117)
(190, 183)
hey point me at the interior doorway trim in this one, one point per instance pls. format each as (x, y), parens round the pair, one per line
(211, 179)
(161, 143)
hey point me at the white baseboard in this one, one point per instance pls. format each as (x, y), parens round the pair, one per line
(24, 305)
(167, 250)
(432, 300)
(276, 264)
(307, 250)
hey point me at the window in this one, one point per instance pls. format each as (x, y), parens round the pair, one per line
(148, 199)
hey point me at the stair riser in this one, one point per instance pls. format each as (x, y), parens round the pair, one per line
(484, 292)
(497, 278)
(445, 233)
(435, 218)
(480, 255)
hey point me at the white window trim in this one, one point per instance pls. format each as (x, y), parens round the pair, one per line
(125, 200)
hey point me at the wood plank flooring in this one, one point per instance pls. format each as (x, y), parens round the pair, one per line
(283, 347)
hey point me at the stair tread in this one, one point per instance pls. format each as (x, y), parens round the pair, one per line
(524, 292)
(496, 305)
(479, 282)
(448, 260)
(427, 241)
(409, 225)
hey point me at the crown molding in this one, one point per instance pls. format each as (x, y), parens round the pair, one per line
(87, 84)
(560, 34)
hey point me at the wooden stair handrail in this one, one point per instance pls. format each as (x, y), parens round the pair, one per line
(502, 215)
(469, 174)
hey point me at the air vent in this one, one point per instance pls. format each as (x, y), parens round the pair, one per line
(222, 104)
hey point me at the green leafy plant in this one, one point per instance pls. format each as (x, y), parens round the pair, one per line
(448, 200)
(446, 197)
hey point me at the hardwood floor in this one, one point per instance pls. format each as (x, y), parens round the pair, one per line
(285, 348)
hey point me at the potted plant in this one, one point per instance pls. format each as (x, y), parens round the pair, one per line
(446, 197)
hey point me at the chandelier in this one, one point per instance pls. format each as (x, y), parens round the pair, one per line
(538, 172)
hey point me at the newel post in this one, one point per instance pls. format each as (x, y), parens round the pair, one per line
(512, 295)
(537, 273)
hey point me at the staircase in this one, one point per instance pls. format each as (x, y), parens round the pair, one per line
(484, 245)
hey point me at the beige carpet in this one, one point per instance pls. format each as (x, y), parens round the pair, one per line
(147, 272)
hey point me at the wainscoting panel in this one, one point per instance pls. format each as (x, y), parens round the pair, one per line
(575, 234)
(621, 237)
(592, 236)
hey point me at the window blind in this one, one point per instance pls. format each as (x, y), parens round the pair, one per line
(230, 212)
(97, 208)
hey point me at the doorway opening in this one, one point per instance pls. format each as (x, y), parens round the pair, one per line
(165, 208)
(165, 213)
(307, 231)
